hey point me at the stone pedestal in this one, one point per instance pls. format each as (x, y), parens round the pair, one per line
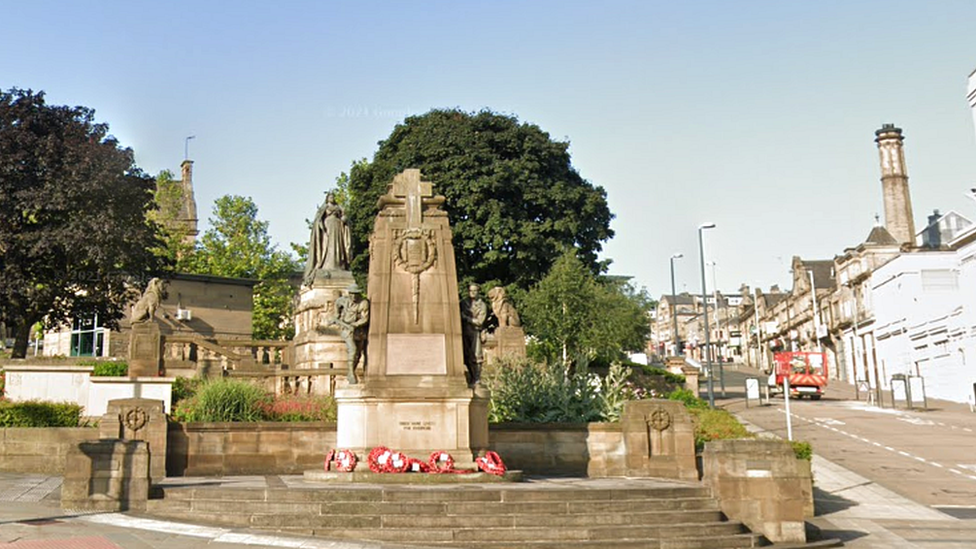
(509, 342)
(106, 475)
(318, 346)
(138, 419)
(659, 440)
(145, 350)
(416, 422)
(414, 397)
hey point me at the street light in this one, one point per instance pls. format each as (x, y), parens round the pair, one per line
(718, 323)
(708, 349)
(674, 307)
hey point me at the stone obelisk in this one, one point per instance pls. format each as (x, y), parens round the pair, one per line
(414, 396)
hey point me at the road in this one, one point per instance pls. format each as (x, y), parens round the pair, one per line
(926, 457)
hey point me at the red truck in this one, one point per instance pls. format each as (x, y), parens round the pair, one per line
(806, 371)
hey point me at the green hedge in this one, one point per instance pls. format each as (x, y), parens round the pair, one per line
(39, 414)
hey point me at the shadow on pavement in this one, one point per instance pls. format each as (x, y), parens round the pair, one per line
(826, 503)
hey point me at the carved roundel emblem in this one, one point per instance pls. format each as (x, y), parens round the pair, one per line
(135, 419)
(660, 419)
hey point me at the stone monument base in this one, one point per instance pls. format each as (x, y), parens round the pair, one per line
(145, 350)
(368, 477)
(317, 345)
(417, 421)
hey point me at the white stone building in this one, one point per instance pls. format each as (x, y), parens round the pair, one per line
(925, 318)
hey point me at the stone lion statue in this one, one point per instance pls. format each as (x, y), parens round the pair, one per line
(145, 309)
(503, 308)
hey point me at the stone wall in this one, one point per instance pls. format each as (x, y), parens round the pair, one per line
(561, 449)
(39, 450)
(595, 449)
(762, 484)
(63, 383)
(247, 448)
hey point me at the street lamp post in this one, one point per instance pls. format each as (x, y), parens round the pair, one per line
(718, 324)
(708, 349)
(674, 308)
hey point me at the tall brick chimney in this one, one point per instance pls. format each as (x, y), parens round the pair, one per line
(894, 183)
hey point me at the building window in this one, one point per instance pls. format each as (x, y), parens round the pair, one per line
(939, 280)
(87, 337)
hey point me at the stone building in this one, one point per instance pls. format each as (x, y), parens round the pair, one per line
(754, 311)
(942, 229)
(210, 306)
(853, 306)
(663, 337)
(182, 212)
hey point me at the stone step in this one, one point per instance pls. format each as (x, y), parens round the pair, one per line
(488, 517)
(738, 541)
(332, 494)
(552, 520)
(569, 509)
(608, 535)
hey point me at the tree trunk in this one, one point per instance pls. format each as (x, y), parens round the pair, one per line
(21, 340)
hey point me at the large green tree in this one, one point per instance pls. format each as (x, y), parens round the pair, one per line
(73, 229)
(514, 199)
(237, 245)
(175, 235)
(573, 314)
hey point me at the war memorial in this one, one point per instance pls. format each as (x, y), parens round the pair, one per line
(411, 458)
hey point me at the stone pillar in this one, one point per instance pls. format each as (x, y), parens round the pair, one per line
(145, 350)
(139, 419)
(762, 484)
(691, 378)
(899, 219)
(659, 440)
(106, 475)
(318, 345)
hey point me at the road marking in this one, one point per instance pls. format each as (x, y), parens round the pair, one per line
(915, 420)
(215, 534)
(890, 449)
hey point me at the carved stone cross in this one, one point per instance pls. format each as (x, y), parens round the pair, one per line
(410, 187)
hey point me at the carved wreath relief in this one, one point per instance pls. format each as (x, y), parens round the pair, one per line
(135, 419)
(659, 419)
(415, 251)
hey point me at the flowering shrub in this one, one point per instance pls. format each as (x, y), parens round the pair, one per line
(301, 408)
(241, 401)
(716, 424)
(224, 400)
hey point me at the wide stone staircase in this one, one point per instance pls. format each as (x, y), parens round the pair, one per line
(618, 514)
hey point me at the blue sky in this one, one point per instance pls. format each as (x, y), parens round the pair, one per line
(758, 116)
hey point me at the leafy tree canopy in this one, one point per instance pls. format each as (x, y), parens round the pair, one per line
(175, 236)
(514, 199)
(237, 245)
(73, 228)
(573, 314)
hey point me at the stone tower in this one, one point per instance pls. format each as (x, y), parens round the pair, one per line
(188, 210)
(894, 182)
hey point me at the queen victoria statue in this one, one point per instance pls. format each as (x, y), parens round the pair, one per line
(329, 245)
